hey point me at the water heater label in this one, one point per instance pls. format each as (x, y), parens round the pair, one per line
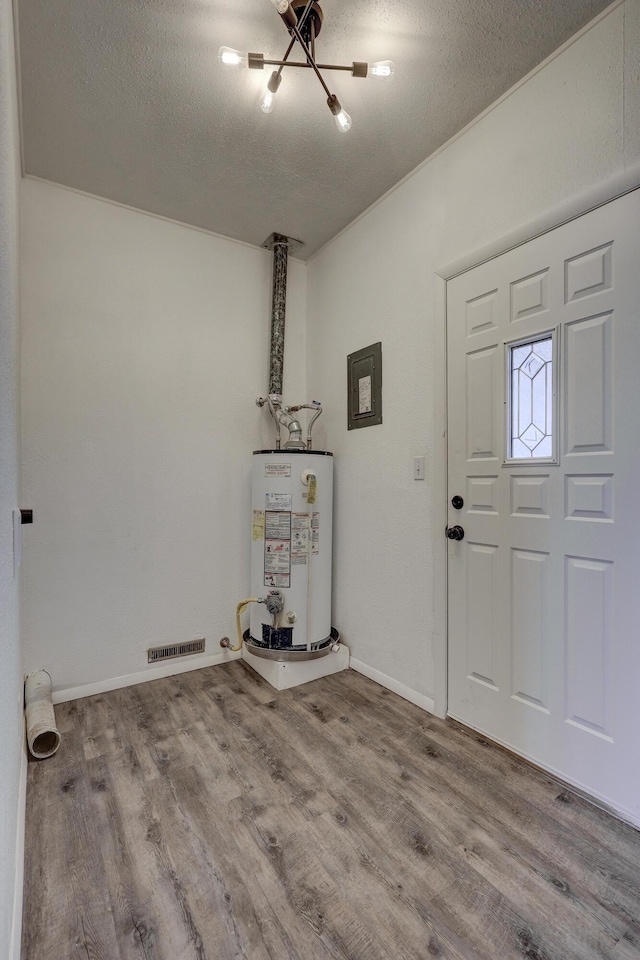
(277, 563)
(277, 501)
(299, 537)
(277, 548)
(277, 580)
(258, 524)
(277, 525)
(315, 532)
(277, 469)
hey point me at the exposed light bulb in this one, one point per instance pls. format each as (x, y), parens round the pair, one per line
(281, 5)
(341, 117)
(231, 57)
(268, 102)
(382, 70)
(343, 121)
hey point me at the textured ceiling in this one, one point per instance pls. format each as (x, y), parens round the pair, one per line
(126, 99)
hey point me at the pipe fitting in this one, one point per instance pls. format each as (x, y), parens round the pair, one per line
(284, 418)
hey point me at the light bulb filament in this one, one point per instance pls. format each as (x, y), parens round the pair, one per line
(231, 57)
(343, 121)
(382, 70)
(268, 101)
(340, 115)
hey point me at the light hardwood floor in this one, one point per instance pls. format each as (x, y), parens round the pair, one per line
(209, 816)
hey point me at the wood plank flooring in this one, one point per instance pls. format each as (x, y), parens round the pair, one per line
(209, 817)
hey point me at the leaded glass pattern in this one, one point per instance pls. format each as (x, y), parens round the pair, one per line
(531, 401)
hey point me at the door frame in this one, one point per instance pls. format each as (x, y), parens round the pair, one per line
(596, 196)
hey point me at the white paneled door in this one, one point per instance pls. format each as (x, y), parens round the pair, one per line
(544, 453)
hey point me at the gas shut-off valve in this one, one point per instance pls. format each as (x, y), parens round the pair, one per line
(274, 602)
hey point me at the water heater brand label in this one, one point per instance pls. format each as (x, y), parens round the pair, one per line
(277, 501)
(277, 469)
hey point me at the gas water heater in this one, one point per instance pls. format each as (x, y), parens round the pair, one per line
(291, 524)
(292, 504)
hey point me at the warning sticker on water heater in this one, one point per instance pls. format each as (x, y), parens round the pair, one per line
(277, 525)
(315, 532)
(277, 469)
(277, 563)
(299, 537)
(258, 525)
(277, 501)
(276, 556)
(277, 548)
(277, 580)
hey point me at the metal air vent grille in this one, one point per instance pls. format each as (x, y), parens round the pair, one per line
(170, 651)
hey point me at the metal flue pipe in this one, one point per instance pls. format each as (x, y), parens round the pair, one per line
(280, 247)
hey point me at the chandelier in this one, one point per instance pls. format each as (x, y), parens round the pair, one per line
(303, 20)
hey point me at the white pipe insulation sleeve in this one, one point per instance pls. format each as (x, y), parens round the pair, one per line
(43, 736)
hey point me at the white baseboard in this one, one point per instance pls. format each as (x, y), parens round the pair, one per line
(170, 669)
(16, 924)
(426, 703)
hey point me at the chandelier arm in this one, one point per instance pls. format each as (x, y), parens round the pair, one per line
(312, 62)
(291, 22)
(298, 63)
(305, 14)
(283, 62)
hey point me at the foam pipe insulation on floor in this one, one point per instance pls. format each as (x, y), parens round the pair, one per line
(43, 736)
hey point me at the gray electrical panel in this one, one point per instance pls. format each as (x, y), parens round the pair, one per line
(364, 386)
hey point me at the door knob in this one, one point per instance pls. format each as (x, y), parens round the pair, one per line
(455, 533)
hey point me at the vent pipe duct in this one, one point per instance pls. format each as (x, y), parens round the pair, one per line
(280, 247)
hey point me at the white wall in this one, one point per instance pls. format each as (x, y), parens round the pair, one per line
(145, 344)
(571, 125)
(11, 671)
